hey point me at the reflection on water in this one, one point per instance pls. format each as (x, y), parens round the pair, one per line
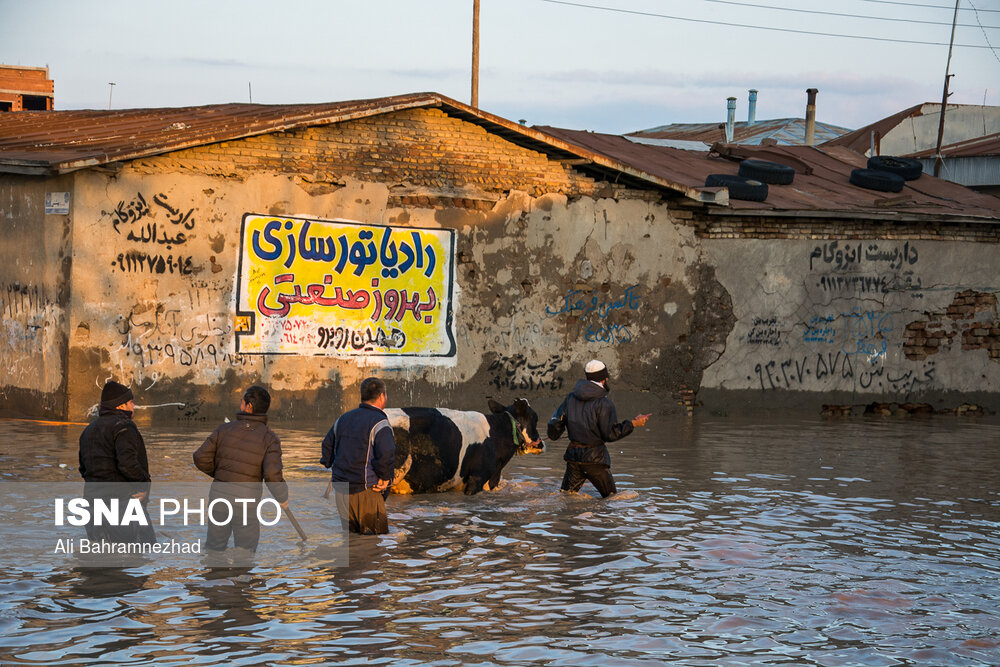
(869, 542)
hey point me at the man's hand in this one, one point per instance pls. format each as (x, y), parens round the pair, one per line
(283, 505)
(382, 485)
(640, 420)
(141, 495)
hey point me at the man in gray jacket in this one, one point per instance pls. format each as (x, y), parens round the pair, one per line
(238, 455)
(591, 420)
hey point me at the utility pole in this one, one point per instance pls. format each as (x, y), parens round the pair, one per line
(475, 53)
(111, 90)
(945, 95)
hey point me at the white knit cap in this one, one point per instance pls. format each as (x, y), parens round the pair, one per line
(596, 371)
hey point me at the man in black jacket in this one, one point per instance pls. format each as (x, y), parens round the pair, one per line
(591, 420)
(361, 451)
(113, 462)
(238, 455)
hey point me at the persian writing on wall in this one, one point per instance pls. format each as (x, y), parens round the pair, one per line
(343, 288)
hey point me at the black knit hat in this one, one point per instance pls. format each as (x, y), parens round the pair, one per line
(115, 394)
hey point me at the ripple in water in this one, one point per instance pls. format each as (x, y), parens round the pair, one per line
(730, 542)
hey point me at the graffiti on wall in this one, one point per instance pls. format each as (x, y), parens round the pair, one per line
(159, 229)
(865, 268)
(764, 331)
(30, 324)
(517, 372)
(598, 314)
(822, 369)
(848, 349)
(344, 288)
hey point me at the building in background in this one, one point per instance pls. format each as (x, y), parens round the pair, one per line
(970, 144)
(915, 130)
(752, 132)
(26, 89)
(974, 163)
(189, 252)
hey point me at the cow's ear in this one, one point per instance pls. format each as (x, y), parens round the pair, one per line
(495, 407)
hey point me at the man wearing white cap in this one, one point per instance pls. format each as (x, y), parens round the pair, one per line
(590, 419)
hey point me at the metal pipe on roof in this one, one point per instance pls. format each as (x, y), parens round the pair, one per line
(811, 116)
(752, 111)
(730, 118)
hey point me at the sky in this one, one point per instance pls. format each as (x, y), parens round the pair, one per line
(603, 65)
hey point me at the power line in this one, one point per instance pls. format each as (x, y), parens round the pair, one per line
(915, 4)
(852, 16)
(985, 36)
(759, 27)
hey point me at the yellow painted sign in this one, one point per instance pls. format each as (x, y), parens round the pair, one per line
(344, 288)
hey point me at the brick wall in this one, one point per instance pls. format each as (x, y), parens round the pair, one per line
(970, 318)
(421, 148)
(806, 228)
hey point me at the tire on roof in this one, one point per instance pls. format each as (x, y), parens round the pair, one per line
(767, 172)
(740, 187)
(873, 179)
(908, 168)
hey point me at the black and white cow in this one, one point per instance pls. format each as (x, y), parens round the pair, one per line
(439, 449)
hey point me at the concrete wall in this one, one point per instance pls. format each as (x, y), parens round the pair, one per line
(549, 269)
(547, 274)
(34, 265)
(898, 315)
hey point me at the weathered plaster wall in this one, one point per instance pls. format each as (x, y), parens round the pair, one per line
(34, 261)
(882, 319)
(547, 274)
(542, 284)
(550, 269)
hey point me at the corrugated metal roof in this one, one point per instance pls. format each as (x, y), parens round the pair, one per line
(61, 141)
(860, 139)
(785, 131)
(974, 172)
(976, 147)
(820, 188)
(700, 146)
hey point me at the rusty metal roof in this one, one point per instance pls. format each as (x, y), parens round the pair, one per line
(784, 131)
(821, 186)
(860, 139)
(47, 142)
(987, 146)
(62, 141)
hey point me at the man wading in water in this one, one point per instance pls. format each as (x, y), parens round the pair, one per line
(361, 451)
(591, 420)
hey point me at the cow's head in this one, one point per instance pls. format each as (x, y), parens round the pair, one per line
(527, 423)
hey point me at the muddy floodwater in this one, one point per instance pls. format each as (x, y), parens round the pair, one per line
(731, 542)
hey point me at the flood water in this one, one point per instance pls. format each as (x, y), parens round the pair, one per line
(731, 542)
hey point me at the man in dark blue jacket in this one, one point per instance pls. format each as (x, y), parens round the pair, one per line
(591, 420)
(361, 452)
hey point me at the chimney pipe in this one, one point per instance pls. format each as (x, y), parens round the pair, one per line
(811, 116)
(752, 113)
(730, 118)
